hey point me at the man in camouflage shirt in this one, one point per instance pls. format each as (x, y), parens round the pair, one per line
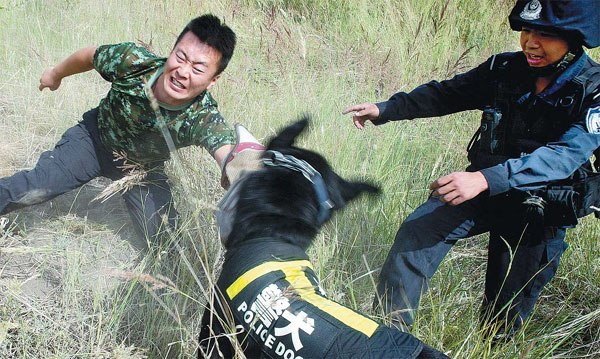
(125, 123)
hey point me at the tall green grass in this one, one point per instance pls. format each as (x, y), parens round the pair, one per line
(96, 298)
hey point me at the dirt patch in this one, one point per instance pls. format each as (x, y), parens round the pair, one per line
(68, 241)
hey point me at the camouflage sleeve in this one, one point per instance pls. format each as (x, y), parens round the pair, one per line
(119, 60)
(212, 132)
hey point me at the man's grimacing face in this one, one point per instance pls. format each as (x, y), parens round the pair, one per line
(190, 69)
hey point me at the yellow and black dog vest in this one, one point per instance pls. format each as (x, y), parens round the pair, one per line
(279, 309)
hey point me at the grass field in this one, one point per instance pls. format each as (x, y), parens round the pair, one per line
(72, 281)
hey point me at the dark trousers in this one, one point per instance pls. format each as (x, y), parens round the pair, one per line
(78, 157)
(511, 286)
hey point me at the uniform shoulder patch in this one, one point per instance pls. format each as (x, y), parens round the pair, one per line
(592, 120)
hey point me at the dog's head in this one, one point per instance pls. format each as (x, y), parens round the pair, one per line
(289, 198)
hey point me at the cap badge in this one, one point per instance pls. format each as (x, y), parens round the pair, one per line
(532, 10)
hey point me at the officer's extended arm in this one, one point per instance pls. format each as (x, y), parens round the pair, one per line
(80, 61)
(466, 91)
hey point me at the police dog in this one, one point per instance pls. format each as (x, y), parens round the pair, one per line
(268, 301)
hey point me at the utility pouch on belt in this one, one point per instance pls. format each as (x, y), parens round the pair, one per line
(589, 195)
(563, 205)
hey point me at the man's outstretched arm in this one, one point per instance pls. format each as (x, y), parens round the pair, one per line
(80, 61)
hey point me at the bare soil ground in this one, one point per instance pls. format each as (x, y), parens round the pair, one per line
(48, 249)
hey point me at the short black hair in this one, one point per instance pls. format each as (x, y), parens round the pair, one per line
(209, 29)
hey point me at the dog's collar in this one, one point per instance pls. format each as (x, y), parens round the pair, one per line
(278, 159)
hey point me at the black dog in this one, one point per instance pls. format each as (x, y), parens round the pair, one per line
(267, 293)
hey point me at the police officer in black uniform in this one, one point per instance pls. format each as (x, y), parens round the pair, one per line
(530, 175)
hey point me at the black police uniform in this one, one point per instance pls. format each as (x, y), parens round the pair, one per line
(279, 311)
(532, 148)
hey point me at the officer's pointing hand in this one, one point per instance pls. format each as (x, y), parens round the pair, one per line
(458, 187)
(362, 113)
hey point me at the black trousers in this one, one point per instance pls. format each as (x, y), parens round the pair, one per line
(521, 261)
(78, 157)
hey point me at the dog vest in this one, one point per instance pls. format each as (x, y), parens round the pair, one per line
(280, 309)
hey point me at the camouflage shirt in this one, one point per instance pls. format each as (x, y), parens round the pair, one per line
(126, 120)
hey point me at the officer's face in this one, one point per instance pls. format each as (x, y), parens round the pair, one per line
(542, 48)
(190, 69)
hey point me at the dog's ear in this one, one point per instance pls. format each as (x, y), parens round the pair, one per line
(288, 135)
(351, 190)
